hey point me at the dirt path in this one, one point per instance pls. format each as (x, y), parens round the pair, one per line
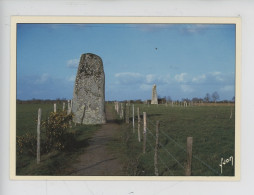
(96, 159)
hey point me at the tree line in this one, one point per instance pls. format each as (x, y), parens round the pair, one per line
(41, 101)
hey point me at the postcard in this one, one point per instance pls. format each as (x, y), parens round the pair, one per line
(125, 98)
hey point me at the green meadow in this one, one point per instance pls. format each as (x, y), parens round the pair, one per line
(211, 126)
(55, 162)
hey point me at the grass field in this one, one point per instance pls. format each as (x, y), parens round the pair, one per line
(211, 127)
(27, 116)
(55, 162)
(213, 133)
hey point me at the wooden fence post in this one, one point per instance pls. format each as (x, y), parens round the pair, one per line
(156, 171)
(117, 107)
(189, 156)
(139, 139)
(144, 133)
(38, 136)
(127, 113)
(54, 107)
(133, 119)
(230, 114)
(69, 107)
(121, 111)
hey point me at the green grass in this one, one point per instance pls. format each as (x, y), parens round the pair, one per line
(27, 115)
(213, 138)
(212, 131)
(55, 162)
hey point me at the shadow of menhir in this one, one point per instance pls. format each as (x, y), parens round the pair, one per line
(88, 103)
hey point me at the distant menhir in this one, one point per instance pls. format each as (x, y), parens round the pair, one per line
(88, 103)
(154, 95)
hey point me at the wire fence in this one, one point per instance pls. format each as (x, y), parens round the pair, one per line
(169, 158)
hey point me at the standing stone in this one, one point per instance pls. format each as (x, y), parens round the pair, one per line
(89, 91)
(154, 96)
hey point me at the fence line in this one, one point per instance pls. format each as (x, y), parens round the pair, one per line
(145, 140)
(205, 164)
(39, 137)
(161, 159)
(194, 156)
(165, 165)
(182, 166)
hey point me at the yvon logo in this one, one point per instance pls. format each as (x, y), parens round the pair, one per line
(226, 161)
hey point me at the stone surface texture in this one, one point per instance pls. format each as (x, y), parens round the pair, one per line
(88, 103)
(154, 95)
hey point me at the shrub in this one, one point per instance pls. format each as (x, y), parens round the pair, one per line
(26, 144)
(56, 134)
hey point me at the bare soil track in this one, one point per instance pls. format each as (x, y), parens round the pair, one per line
(97, 159)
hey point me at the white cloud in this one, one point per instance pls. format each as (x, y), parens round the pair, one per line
(73, 63)
(150, 78)
(43, 78)
(146, 87)
(151, 27)
(194, 28)
(218, 76)
(228, 88)
(71, 78)
(187, 88)
(130, 74)
(129, 78)
(199, 79)
(166, 79)
(181, 77)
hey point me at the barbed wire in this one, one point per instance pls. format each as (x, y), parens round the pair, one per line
(172, 156)
(175, 142)
(194, 156)
(166, 151)
(150, 132)
(205, 164)
(165, 165)
(162, 160)
(181, 147)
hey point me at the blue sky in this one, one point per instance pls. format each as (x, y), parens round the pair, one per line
(183, 60)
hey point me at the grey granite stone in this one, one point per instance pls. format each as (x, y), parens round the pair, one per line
(88, 103)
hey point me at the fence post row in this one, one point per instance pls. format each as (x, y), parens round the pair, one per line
(127, 113)
(139, 139)
(156, 171)
(38, 136)
(230, 114)
(117, 107)
(69, 107)
(189, 156)
(144, 133)
(121, 110)
(133, 120)
(54, 107)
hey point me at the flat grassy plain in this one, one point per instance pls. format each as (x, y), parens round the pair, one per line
(212, 129)
(55, 162)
